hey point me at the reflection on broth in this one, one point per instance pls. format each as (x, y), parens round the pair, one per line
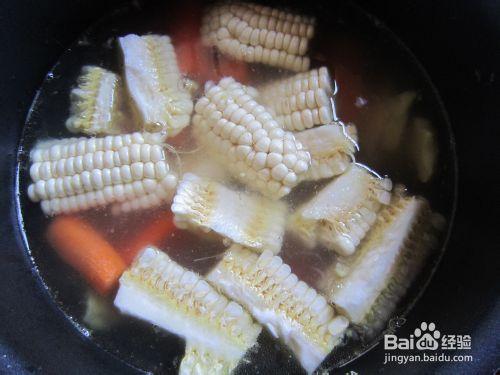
(225, 181)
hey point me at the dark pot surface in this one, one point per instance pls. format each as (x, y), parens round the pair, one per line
(458, 44)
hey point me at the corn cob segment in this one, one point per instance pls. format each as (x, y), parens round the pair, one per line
(55, 149)
(96, 102)
(246, 219)
(302, 101)
(289, 308)
(368, 285)
(340, 215)
(80, 173)
(257, 34)
(163, 192)
(274, 19)
(243, 135)
(160, 291)
(200, 361)
(155, 83)
(331, 147)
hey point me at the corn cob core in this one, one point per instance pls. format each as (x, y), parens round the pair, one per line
(289, 308)
(76, 174)
(247, 219)
(301, 101)
(155, 83)
(244, 136)
(199, 361)
(367, 286)
(343, 211)
(257, 34)
(158, 290)
(331, 147)
(95, 103)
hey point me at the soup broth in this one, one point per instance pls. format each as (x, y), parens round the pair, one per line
(402, 133)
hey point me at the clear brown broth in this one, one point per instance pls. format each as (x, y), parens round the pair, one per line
(368, 64)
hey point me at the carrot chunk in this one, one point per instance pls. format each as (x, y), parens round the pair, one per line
(231, 68)
(84, 249)
(152, 234)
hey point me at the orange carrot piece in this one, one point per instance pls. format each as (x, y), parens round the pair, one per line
(84, 249)
(206, 70)
(193, 59)
(239, 70)
(152, 234)
(186, 57)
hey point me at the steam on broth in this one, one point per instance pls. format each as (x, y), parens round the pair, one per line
(230, 181)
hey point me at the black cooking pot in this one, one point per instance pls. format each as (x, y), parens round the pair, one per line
(456, 42)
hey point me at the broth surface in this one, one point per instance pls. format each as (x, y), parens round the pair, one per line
(370, 67)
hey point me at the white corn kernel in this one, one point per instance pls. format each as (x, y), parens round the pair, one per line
(253, 221)
(291, 310)
(161, 101)
(259, 142)
(175, 304)
(104, 176)
(302, 101)
(95, 106)
(379, 273)
(333, 216)
(241, 32)
(331, 147)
